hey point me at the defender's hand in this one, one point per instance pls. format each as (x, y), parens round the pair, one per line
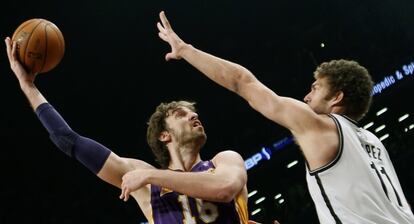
(167, 34)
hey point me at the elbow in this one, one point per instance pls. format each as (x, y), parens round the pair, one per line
(64, 138)
(227, 192)
(225, 197)
(242, 78)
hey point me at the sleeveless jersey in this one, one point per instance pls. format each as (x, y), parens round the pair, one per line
(360, 185)
(169, 207)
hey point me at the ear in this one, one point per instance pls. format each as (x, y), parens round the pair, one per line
(165, 136)
(337, 98)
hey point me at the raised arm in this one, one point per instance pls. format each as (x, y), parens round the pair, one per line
(290, 113)
(25, 79)
(222, 185)
(96, 157)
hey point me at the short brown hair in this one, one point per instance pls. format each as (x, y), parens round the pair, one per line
(157, 124)
(353, 80)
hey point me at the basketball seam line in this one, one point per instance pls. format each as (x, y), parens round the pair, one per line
(28, 40)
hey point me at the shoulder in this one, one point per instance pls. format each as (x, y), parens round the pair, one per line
(317, 126)
(228, 156)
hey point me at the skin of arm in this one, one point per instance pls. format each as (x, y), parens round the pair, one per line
(288, 112)
(220, 185)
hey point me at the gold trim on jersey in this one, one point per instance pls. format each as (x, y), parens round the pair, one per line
(165, 190)
(241, 208)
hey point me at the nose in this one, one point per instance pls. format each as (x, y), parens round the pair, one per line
(193, 116)
(306, 98)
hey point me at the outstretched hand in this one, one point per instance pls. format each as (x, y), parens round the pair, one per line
(167, 34)
(22, 75)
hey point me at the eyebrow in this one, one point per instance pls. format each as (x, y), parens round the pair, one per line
(174, 111)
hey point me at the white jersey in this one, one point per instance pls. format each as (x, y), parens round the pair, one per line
(360, 185)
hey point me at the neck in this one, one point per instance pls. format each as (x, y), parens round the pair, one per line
(338, 110)
(184, 157)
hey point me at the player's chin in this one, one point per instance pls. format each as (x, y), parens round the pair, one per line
(199, 132)
(201, 137)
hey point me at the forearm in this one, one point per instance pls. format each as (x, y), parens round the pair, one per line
(203, 185)
(90, 153)
(87, 151)
(228, 74)
(33, 95)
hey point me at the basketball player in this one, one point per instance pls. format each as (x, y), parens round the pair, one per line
(350, 176)
(186, 190)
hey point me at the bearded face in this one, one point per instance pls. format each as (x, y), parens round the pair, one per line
(319, 98)
(185, 127)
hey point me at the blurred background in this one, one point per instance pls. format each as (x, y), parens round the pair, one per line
(113, 75)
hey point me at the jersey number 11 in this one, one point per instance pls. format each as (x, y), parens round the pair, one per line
(380, 173)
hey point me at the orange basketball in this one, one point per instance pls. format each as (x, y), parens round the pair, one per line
(40, 45)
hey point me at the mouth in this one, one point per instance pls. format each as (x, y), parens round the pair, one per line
(197, 124)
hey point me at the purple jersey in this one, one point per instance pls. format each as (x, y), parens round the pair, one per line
(169, 207)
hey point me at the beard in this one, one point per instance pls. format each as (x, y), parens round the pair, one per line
(197, 139)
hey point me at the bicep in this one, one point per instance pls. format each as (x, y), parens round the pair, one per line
(115, 167)
(287, 112)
